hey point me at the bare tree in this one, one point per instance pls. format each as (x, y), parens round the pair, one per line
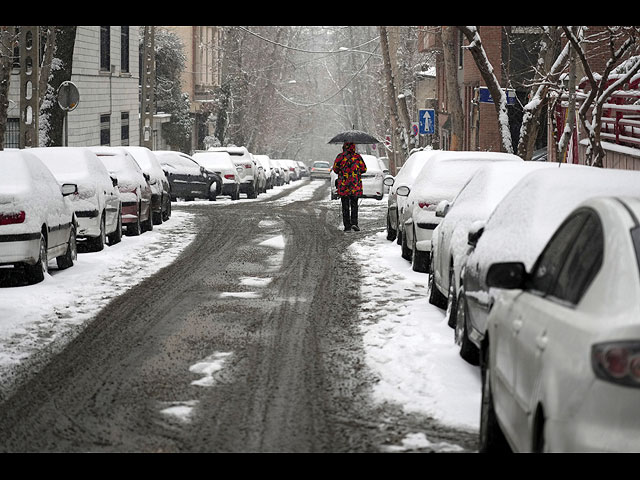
(454, 101)
(621, 41)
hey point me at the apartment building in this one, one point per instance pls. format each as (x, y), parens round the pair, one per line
(106, 73)
(202, 75)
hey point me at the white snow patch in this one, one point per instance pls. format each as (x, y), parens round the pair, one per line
(208, 367)
(419, 441)
(255, 281)
(274, 242)
(239, 295)
(182, 411)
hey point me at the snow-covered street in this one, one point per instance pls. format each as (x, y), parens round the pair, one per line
(409, 347)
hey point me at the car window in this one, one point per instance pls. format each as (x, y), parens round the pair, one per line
(552, 257)
(582, 262)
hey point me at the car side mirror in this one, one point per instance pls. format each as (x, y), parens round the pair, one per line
(114, 181)
(403, 191)
(388, 181)
(146, 176)
(442, 208)
(68, 189)
(475, 232)
(508, 275)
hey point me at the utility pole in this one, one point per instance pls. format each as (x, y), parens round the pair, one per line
(29, 90)
(148, 105)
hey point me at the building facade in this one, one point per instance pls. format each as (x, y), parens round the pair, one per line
(106, 73)
(202, 75)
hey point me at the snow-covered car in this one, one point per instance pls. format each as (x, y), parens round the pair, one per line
(561, 367)
(294, 169)
(37, 221)
(97, 205)
(220, 162)
(269, 171)
(304, 171)
(160, 188)
(475, 202)
(405, 177)
(441, 179)
(321, 170)
(133, 185)
(372, 179)
(187, 178)
(248, 172)
(520, 226)
(283, 171)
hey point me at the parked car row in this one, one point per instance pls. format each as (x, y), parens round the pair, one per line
(537, 267)
(56, 199)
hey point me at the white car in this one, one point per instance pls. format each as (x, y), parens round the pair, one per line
(283, 170)
(475, 202)
(248, 169)
(269, 171)
(160, 189)
(562, 367)
(187, 178)
(441, 179)
(520, 226)
(220, 162)
(372, 179)
(405, 177)
(133, 185)
(37, 221)
(97, 205)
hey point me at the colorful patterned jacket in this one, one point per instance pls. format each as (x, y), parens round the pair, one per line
(349, 166)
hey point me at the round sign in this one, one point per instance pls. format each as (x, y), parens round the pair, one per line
(68, 96)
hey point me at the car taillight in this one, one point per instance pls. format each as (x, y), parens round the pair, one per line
(247, 165)
(617, 362)
(10, 218)
(230, 177)
(424, 204)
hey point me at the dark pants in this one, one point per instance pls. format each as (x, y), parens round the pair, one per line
(349, 211)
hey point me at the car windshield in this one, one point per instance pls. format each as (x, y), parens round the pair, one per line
(321, 165)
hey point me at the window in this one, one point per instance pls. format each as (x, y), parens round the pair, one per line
(551, 259)
(105, 49)
(124, 128)
(582, 262)
(12, 133)
(124, 49)
(105, 129)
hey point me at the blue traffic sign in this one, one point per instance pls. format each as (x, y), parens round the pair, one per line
(427, 121)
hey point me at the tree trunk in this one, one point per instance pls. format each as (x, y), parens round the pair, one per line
(7, 38)
(64, 44)
(454, 101)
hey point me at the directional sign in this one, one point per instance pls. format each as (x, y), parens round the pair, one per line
(484, 96)
(427, 121)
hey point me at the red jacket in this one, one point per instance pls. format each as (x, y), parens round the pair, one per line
(349, 166)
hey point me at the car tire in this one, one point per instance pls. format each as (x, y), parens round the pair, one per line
(135, 229)
(96, 244)
(391, 232)
(166, 214)
(468, 351)
(435, 297)
(67, 260)
(116, 236)
(420, 260)
(490, 438)
(452, 309)
(147, 226)
(35, 273)
(407, 254)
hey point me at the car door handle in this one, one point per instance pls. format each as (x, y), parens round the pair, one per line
(541, 341)
(517, 325)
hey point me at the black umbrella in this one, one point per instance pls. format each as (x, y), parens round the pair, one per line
(354, 136)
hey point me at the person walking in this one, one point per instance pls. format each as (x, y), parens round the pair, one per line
(349, 166)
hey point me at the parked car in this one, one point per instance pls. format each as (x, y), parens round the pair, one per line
(37, 221)
(220, 162)
(475, 202)
(269, 171)
(187, 178)
(248, 173)
(160, 189)
(321, 170)
(304, 171)
(384, 166)
(285, 173)
(372, 186)
(405, 177)
(133, 185)
(562, 361)
(97, 205)
(520, 226)
(441, 179)
(294, 169)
